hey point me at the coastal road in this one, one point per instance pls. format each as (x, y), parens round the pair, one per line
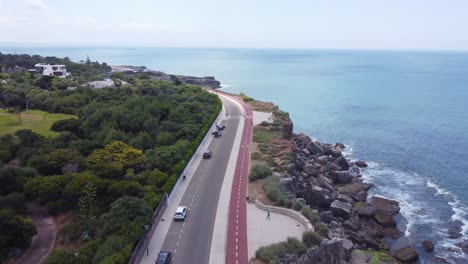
(190, 240)
(236, 247)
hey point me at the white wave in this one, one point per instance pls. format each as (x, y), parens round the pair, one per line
(347, 151)
(439, 190)
(222, 85)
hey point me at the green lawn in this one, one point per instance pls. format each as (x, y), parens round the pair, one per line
(36, 120)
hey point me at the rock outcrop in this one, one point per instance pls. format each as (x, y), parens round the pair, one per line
(406, 255)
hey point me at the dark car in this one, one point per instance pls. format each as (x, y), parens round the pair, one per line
(220, 127)
(217, 134)
(207, 154)
(164, 257)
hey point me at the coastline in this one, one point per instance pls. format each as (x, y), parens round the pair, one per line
(393, 228)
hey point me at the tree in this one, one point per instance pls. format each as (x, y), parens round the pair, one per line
(15, 231)
(114, 158)
(59, 158)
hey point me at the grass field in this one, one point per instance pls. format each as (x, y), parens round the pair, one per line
(36, 120)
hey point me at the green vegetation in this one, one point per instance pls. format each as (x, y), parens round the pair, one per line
(273, 253)
(245, 98)
(272, 188)
(36, 120)
(359, 205)
(310, 239)
(377, 257)
(298, 205)
(311, 215)
(259, 172)
(107, 155)
(263, 135)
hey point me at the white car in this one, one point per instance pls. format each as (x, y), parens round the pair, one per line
(181, 213)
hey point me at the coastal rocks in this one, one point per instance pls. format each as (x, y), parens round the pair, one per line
(342, 163)
(341, 177)
(384, 218)
(428, 246)
(360, 164)
(312, 170)
(340, 145)
(332, 151)
(454, 229)
(315, 148)
(341, 209)
(406, 255)
(326, 216)
(335, 251)
(318, 196)
(352, 224)
(287, 130)
(464, 246)
(359, 258)
(386, 205)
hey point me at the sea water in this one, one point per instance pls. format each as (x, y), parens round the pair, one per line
(403, 112)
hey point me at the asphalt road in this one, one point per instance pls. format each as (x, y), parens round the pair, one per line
(44, 240)
(190, 240)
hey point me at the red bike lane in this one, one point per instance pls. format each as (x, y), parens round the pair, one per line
(236, 246)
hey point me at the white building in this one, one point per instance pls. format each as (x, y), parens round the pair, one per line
(52, 70)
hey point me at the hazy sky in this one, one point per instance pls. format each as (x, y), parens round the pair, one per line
(344, 24)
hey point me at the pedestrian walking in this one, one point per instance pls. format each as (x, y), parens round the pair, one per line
(268, 214)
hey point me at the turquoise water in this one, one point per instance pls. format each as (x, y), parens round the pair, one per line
(403, 112)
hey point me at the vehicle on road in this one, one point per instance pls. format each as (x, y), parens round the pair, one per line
(220, 127)
(181, 213)
(217, 134)
(207, 154)
(164, 257)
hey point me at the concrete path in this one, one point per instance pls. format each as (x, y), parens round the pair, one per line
(44, 240)
(263, 232)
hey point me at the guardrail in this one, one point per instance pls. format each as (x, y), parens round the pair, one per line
(288, 212)
(143, 243)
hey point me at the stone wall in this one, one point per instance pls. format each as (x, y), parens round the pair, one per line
(287, 212)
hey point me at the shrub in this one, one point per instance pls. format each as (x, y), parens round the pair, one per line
(256, 156)
(311, 215)
(298, 205)
(322, 229)
(259, 172)
(271, 185)
(310, 239)
(264, 123)
(272, 253)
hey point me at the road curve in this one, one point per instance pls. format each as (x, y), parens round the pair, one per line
(44, 240)
(236, 246)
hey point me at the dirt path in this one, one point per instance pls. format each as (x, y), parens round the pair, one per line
(44, 240)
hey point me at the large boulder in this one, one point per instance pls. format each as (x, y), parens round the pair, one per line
(332, 167)
(341, 209)
(428, 246)
(359, 258)
(386, 205)
(315, 149)
(464, 246)
(287, 129)
(311, 170)
(455, 229)
(326, 216)
(341, 177)
(340, 145)
(352, 224)
(406, 255)
(322, 160)
(384, 218)
(335, 251)
(332, 151)
(345, 198)
(342, 163)
(355, 171)
(360, 164)
(318, 196)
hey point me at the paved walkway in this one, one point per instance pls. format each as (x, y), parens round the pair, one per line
(44, 240)
(262, 232)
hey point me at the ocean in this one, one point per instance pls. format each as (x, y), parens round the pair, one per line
(403, 112)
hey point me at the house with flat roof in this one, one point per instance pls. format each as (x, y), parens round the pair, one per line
(51, 70)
